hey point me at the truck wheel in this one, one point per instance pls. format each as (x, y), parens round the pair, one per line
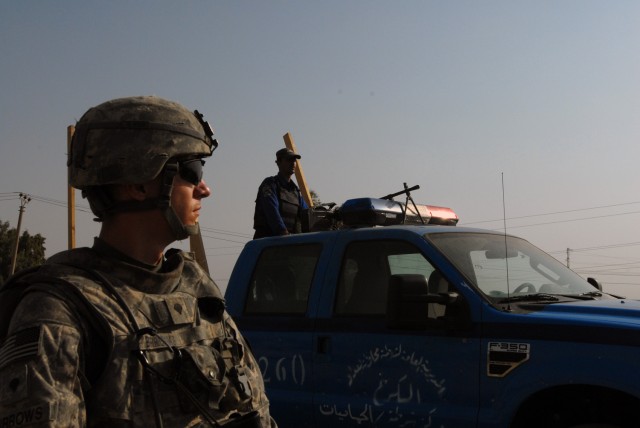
(597, 425)
(579, 406)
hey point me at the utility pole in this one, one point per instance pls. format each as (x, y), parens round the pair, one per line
(568, 249)
(24, 200)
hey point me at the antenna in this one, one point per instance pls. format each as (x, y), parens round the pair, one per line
(506, 253)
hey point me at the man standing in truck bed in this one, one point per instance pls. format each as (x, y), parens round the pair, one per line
(124, 334)
(279, 203)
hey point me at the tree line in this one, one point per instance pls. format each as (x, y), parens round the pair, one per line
(30, 250)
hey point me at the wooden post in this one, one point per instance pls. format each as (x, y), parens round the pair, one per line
(71, 200)
(302, 183)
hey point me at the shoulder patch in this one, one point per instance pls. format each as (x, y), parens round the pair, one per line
(24, 344)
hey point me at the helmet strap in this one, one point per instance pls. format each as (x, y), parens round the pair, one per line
(98, 200)
(103, 206)
(179, 229)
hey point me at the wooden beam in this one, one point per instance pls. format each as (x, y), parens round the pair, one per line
(71, 199)
(197, 247)
(302, 183)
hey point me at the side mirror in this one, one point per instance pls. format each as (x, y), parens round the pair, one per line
(408, 299)
(595, 283)
(407, 302)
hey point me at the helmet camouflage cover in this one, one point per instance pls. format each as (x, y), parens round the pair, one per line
(129, 140)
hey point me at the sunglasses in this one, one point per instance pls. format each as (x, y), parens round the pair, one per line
(191, 170)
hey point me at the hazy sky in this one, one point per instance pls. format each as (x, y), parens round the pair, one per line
(448, 95)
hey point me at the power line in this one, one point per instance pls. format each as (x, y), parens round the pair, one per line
(87, 209)
(58, 203)
(601, 247)
(571, 220)
(603, 273)
(557, 212)
(611, 268)
(223, 239)
(621, 283)
(214, 233)
(224, 248)
(14, 195)
(226, 232)
(219, 255)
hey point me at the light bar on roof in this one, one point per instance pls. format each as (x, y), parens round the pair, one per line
(431, 214)
(384, 212)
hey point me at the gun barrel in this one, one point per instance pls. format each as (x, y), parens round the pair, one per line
(406, 190)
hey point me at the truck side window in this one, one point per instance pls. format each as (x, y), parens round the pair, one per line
(282, 280)
(365, 272)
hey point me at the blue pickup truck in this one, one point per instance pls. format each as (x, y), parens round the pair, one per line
(433, 326)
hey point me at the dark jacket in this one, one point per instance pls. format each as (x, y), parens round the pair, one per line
(279, 206)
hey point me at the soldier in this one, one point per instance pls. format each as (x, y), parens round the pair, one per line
(279, 203)
(124, 334)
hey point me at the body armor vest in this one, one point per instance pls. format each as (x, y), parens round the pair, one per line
(288, 205)
(289, 208)
(174, 355)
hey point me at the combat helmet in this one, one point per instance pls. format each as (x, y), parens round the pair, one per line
(132, 141)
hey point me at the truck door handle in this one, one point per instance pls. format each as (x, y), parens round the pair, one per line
(323, 345)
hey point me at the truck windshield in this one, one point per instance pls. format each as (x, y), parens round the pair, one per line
(510, 268)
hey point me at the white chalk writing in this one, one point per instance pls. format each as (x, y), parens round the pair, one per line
(285, 369)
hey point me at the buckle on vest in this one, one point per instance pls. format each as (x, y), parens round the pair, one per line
(242, 381)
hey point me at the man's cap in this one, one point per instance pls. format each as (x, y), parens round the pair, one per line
(287, 154)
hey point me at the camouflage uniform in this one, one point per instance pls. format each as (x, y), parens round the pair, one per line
(53, 365)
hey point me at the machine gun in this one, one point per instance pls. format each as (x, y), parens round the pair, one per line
(407, 191)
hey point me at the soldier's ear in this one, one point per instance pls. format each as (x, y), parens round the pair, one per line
(137, 192)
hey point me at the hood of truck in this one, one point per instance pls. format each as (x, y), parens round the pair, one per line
(609, 321)
(610, 311)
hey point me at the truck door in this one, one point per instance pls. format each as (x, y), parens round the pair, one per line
(276, 321)
(370, 375)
